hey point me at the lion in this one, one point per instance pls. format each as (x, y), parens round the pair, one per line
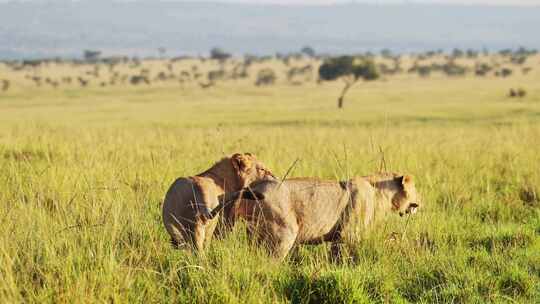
(312, 211)
(187, 207)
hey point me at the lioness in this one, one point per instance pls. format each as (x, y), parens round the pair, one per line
(311, 211)
(189, 200)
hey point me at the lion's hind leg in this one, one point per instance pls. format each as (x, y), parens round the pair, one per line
(280, 239)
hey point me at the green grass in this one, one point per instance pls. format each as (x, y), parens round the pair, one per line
(83, 174)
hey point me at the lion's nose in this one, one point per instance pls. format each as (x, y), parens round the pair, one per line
(269, 175)
(412, 208)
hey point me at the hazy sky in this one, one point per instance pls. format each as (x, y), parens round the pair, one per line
(462, 2)
(470, 2)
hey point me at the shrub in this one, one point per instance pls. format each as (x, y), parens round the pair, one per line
(266, 77)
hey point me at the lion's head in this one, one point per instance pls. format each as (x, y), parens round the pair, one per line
(249, 169)
(406, 200)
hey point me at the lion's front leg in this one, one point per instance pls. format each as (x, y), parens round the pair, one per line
(210, 227)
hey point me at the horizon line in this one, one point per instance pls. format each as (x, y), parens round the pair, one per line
(285, 3)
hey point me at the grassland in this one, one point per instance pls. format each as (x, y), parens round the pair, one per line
(83, 173)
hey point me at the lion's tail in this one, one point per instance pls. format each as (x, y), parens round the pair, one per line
(202, 189)
(231, 197)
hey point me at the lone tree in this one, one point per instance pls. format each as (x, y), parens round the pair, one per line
(350, 70)
(219, 54)
(91, 56)
(308, 51)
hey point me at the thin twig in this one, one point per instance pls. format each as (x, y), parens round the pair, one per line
(288, 171)
(347, 171)
(406, 226)
(383, 160)
(80, 226)
(336, 158)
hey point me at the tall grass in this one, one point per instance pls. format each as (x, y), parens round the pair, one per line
(83, 175)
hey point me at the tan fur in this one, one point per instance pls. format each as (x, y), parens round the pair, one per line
(189, 200)
(310, 211)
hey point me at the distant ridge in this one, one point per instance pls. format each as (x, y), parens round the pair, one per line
(65, 28)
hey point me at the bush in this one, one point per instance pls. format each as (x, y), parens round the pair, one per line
(504, 72)
(482, 69)
(266, 77)
(214, 76)
(452, 69)
(5, 85)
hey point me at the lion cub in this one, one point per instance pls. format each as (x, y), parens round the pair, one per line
(311, 211)
(187, 214)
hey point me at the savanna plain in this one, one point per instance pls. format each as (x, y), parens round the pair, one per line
(83, 173)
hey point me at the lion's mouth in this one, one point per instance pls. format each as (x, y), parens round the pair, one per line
(413, 207)
(269, 175)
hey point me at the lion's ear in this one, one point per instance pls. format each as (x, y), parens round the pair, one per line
(407, 181)
(240, 162)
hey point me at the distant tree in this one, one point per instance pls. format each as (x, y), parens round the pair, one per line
(32, 63)
(424, 71)
(308, 51)
(286, 60)
(505, 72)
(216, 75)
(240, 71)
(139, 79)
(83, 82)
(517, 93)
(91, 56)
(162, 51)
(386, 53)
(505, 52)
(161, 76)
(384, 69)
(457, 53)
(522, 51)
(472, 53)
(250, 59)
(482, 69)
(348, 69)
(526, 70)
(431, 53)
(518, 59)
(397, 64)
(219, 54)
(5, 85)
(452, 69)
(265, 77)
(205, 86)
(306, 72)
